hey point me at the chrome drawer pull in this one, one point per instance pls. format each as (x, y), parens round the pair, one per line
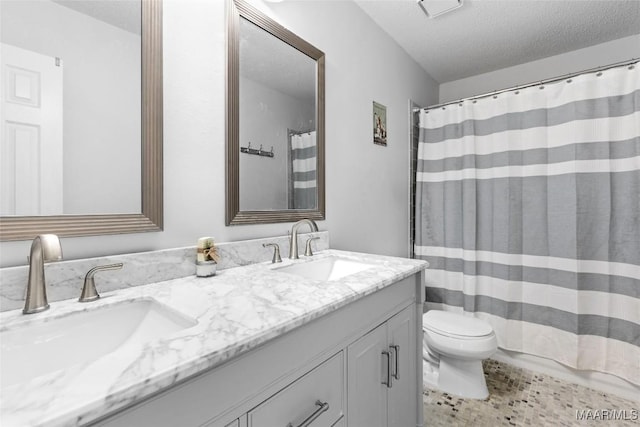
(323, 407)
(388, 382)
(396, 351)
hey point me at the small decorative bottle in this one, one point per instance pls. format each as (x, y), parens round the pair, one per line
(206, 258)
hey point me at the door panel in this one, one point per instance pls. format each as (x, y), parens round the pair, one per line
(366, 395)
(20, 169)
(31, 156)
(402, 401)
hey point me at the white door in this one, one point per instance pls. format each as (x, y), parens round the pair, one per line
(402, 395)
(366, 369)
(31, 155)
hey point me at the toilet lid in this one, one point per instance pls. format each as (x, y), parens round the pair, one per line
(447, 323)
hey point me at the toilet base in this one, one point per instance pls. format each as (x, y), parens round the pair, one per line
(464, 378)
(429, 375)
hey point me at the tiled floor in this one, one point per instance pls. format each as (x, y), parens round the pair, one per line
(519, 397)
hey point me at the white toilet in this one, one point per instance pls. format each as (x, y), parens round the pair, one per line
(453, 349)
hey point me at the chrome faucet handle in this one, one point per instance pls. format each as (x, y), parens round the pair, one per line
(308, 251)
(276, 252)
(89, 292)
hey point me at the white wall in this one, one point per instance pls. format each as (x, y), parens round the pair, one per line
(367, 185)
(594, 56)
(101, 98)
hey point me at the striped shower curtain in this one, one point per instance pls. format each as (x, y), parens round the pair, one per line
(528, 211)
(302, 173)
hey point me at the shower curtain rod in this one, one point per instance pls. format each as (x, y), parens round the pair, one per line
(536, 83)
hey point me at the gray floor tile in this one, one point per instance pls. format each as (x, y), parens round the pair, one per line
(519, 397)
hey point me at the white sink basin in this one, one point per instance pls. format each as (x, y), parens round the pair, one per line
(56, 343)
(327, 269)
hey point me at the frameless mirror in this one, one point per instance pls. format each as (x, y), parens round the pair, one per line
(275, 123)
(81, 120)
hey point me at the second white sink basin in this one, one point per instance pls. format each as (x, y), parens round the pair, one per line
(328, 269)
(56, 343)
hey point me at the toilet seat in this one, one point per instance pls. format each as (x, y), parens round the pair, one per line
(461, 348)
(458, 336)
(455, 325)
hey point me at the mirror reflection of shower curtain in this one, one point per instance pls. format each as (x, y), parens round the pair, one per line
(302, 170)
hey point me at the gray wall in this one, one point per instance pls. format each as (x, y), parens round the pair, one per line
(553, 66)
(367, 185)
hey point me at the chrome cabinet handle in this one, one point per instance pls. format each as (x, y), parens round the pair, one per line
(396, 353)
(388, 383)
(322, 407)
(89, 292)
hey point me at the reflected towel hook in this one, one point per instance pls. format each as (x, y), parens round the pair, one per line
(257, 152)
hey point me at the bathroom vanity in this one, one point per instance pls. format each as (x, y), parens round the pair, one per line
(329, 340)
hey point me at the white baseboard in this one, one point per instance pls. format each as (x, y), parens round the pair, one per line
(596, 380)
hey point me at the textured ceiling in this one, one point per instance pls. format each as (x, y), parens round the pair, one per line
(487, 35)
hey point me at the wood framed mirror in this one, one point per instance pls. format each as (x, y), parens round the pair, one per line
(275, 160)
(146, 211)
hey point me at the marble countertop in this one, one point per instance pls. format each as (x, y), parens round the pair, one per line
(236, 310)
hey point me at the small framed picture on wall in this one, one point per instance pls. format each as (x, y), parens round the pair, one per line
(379, 124)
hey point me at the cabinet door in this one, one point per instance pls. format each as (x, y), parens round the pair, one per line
(402, 394)
(366, 370)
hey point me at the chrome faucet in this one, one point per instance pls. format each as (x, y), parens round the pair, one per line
(45, 248)
(293, 243)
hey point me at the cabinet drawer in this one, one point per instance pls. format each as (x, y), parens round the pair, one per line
(324, 385)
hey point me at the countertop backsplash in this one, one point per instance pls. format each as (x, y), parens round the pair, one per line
(65, 278)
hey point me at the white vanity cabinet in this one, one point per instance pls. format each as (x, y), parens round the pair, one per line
(327, 372)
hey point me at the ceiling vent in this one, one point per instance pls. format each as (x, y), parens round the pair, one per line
(435, 8)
